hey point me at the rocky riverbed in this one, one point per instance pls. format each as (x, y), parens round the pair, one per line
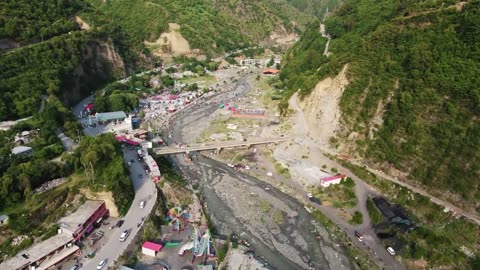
(276, 225)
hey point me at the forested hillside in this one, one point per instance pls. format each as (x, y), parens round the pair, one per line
(416, 66)
(315, 7)
(209, 25)
(28, 21)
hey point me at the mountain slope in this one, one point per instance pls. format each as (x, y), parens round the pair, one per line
(415, 67)
(209, 25)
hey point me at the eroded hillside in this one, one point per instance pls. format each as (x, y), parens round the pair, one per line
(413, 102)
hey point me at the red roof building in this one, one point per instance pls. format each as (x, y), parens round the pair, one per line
(332, 180)
(270, 71)
(150, 248)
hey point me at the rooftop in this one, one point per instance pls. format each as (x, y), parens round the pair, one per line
(333, 178)
(77, 218)
(270, 71)
(47, 264)
(36, 252)
(20, 149)
(107, 116)
(153, 166)
(152, 246)
(123, 267)
(3, 217)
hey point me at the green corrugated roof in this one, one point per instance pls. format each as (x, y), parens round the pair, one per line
(107, 116)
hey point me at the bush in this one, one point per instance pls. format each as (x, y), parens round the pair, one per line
(357, 218)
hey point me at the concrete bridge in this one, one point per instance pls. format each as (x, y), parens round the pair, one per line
(216, 146)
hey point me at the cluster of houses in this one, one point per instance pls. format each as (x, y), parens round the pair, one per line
(21, 139)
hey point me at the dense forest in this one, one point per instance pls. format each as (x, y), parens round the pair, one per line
(19, 177)
(101, 160)
(68, 63)
(28, 21)
(315, 7)
(212, 26)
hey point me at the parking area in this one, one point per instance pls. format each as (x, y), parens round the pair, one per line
(92, 127)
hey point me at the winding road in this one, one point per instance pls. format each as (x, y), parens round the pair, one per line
(145, 190)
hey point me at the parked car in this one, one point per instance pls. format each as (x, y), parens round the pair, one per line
(140, 175)
(142, 204)
(120, 223)
(309, 195)
(230, 165)
(124, 235)
(101, 264)
(391, 251)
(359, 236)
(76, 267)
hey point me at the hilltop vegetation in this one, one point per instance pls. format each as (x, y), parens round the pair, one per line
(315, 7)
(28, 21)
(415, 65)
(212, 26)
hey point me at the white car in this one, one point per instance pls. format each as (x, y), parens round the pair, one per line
(309, 195)
(230, 165)
(142, 204)
(247, 167)
(124, 235)
(391, 251)
(359, 236)
(101, 264)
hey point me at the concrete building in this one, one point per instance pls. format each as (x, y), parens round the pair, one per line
(249, 62)
(25, 137)
(249, 113)
(151, 249)
(22, 151)
(332, 180)
(43, 255)
(80, 222)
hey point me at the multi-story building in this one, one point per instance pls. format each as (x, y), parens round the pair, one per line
(82, 221)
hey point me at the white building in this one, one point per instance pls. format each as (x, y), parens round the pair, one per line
(151, 249)
(23, 151)
(332, 180)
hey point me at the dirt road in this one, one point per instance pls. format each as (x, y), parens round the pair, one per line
(303, 130)
(371, 243)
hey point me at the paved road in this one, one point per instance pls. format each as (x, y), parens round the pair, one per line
(144, 191)
(67, 142)
(207, 146)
